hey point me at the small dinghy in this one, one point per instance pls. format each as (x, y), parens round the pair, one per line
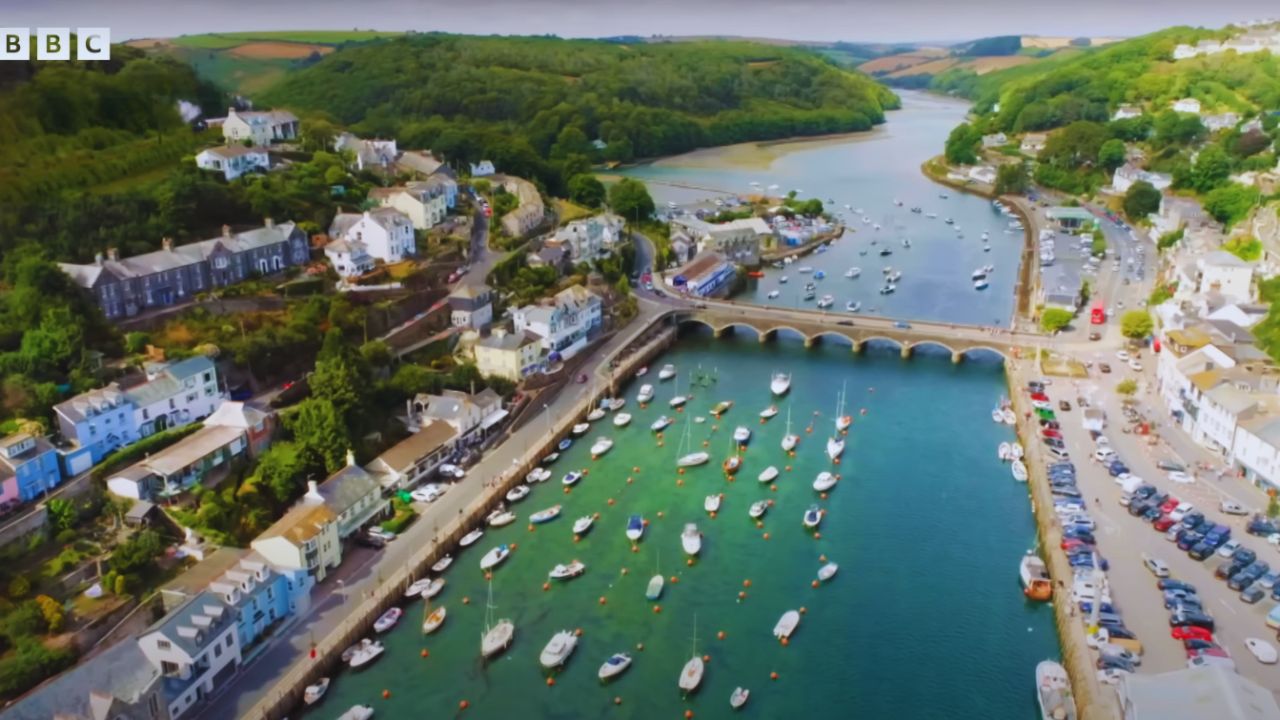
(537, 475)
(786, 624)
(564, 445)
(645, 394)
(1009, 416)
(433, 621)
(499, 518)
(495, 556)
(742, 434)
(828, 571)
(547, 515)
(721, 408)
(614, 666)
(571, 478)
(314, 693)
(667, 372)
(551, 458)
(635, 528)
(711, 503)
(581, 429)
(1015, 451)
(517, 493)
(471, 537)
(824, 482)
(691, 539)
(601, 446)
(1003, 452)
(997, 415)
(416, 588)
(758, 509)
(442, 564)
(1019, 470)
(739, 697)
(567, 572)
(362, 653)
(654, 590)
(678, 400)
(1264, 651)
(596, 414)
(812, 516)
(661, 424)
(768, 475)
(583, 524)
(616, 404)
(732, 464)
(357, 712)
(388, 620)
(693, 459)
(769, 412)
(622, 419)
(434, 588)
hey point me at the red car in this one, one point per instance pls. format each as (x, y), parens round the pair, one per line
(1073, 543)
(1040, 396)
(1047, 432)
(1164, 523)
(1186, 633)
(1169, 505)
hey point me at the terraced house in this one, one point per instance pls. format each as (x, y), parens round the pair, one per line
(176, 273)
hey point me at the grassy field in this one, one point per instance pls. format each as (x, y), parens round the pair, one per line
(223, 41)
(133, 181)
(568, 211)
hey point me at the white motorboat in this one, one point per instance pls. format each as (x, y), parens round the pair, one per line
(517, 493)
(645, 394)
(495, 556)
(616, 404)
(470, 538)
(758, 509)
(980, 284)
(416, 587)
(768, 475)
(614, 666)
(635, 528)
(351, 651)
(780, 383)
(642, 371)
(544, 516)
(853, 272)
(978, 274)
(596, 414)
(828, 571)
(691, 674)
(1053, 691)
(601, 446)
(622, 419)
(442, 564)
(693, 459)
(434, 588)
(783, 280)
(812, 516)
(691, 539)
(742, 434)
(711, 503)
(738, 697)
(1015, 451)
(1003, 451)
(654, 589)
(357, 712)
(678, 400)
(997, 415)
(499, 518)
(786, 624)
(662, 423)
(314, 693)
(369, 651)
(826, 301)
(1264, 651)
(571, 478)
(835, 446)
(551, 458)
(804, 269)
(824, 482)
(1019, 470)
(538, 475)
(583, 524)
(1009, 416)
(567, 571)
(853, 306)
(497, 636)
(667, 372)
(581, 429)
(433, 620)
(773, 294)
(768, 412)
(558, 649)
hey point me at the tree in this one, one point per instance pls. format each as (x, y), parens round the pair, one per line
(1245, 247)
(1012, 179)
(630, 199)
(962, 145)
(317, 135)
(1112, 154)
(54, 616)
(1231, 203)
(1098, 247)
(1127, 386)
(571, 141)
(1141, 200)
(586, 190)
(319, 430)
(1055, 319)
(137, 554)
(1136, 324)
(1211, 169)
(281, 472)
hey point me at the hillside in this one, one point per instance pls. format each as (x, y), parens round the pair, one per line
(520, 100)
(962, 63)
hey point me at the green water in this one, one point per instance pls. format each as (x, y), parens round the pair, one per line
(924, 620)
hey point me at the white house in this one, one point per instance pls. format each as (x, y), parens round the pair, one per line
(984, 174)
(349, 258)
(471, 305)
(565, 322)
(994, 140)
(413, 459)
(233, 160)
(387, 233)
(588, 238)
(484, 168)
(1221, 408)
(261, 128)
(1220, 121)
(1218, 271)
(175, 394)
(511, 355)
(352, 495)
(471, 416)
(196, 647)
(1125, 112)
(1257, 449)
(1128, 174)
(1176, 212)
(1187, 105)
(305, 538)
(1174, 373)
(739, 240)
(369, 154)
(1033, 143)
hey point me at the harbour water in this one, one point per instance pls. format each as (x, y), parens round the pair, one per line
(870, 171)
(925, 618)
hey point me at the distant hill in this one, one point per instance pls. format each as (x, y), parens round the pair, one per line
(918, 68)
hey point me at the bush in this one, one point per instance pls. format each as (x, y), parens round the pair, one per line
(1127, 387)
(121, 586)
(19, 587)
(65, 537)
(1136, 324)
(32, 663)
(25, 621)
(400, 521)
(1054, 319)
(54, 616)
(144, 447)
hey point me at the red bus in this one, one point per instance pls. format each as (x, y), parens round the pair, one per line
(1098, 315)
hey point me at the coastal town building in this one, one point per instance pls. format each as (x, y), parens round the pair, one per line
(564, 322)
(1190, 106)
(196, 648)
(375, 154)
(29, 467)
(386, 233)
(529, 213)
(233, 160)
(1070, 219)
(985, 174)
(706, 275)
(418, 162)
(994, 140)
(352, 495)
(472, 416)
(177, 273)
(349, 258)
(305, 538)
(180, 466)
(484, 168)
(510, 355)
(424, 202)
(1220, 121)
(552, 256)
(471, 306)
(259, 127)
(1251, 41)
(740, 241)
(1033, 143)
(1125, 112)
(1128, 174)
(589, 238)
(1217, 272)
(412, 460)
(118, 683)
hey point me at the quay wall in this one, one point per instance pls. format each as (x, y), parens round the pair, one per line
(787, 251)
(942, 179)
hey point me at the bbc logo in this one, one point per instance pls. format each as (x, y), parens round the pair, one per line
(55, 43)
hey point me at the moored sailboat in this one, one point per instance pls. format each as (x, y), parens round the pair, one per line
(497, 636)
(691, 674)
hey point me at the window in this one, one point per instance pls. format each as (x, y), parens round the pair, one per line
(217, 651)
(146, 414)
(228, 642)
(172, 404)
(163, 645)
(208, 376)
(169, 668)
(220, 263)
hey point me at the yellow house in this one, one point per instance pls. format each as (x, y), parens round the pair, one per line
(510, 355)
(306, 538)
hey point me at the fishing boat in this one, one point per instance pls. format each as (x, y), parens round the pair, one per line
(786, 624)
(635, 528)
(812, 516)
(517, 493)
(571, 478)
(581, 429)
(691, 674)
(1053, 691)
(645, 394)
(662, 423)
(789, 439)
(853, 306)
(731, 464)
(550, 458)
(835, 446)
(537, 475)
(691, 539)
(564, 444)
(768, 412)
(601, 446)
(853, 272)
(742, 434)
(828, 571)
(433, 620)
(1019, 470)
(442, 564)
(768, 475)
(711, 503)
(357, 712)
(738, 697)
(614, 666)
(1003, 451)
(496, 636)
(543, 516)
(824, 482)
(470, 538)
(567, 571)
(314, 693)
(721, 408)
(667, 372)
(1036, 583)
(495, 556)
(596, 414)
(500, 517)
(583, 524)
(780, 383)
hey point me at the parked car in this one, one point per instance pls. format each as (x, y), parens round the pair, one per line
(1181, 510)
(1193, 619)
(376, 531)
(1170, 466)
(1177, 597)
(1261, 526)
(1175, 584)
(1104, 368)
(1155, 565)
(1193, 520)
(1253, 594)
(1163, 524)
(1064, 406)
(1190, 632)
(1180, 477)
(1229, 548)
(1232, 508)
(1201, 551)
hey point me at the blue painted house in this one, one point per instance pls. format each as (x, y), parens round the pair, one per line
(28, 467)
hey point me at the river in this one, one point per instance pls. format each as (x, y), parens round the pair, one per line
(925, 619)
(869, 171)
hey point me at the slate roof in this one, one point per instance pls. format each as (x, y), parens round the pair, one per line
(169, 382)
(177, 625)
(121, 671)
(231, 151)
(346, 487)
(387, 217)
(405, 453)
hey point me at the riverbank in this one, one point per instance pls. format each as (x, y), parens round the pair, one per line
(933, 168)
(777, 254)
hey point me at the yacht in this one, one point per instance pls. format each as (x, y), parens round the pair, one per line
(812, 516)
(581, 429)
(496, 636)
(758, 509)
(667, 372)
(693, 459)
(780, 383)
(738, 697)
(434, 620)
(494, 556)
(786, 624)
(471, 537)
(824, 482)
(517, 493)
(835, 446)
(853, 272)
(691, 674)
(1036, 583)
(979, 274)
(885, 252)
(893, 277)
(645, 394)
(809, 294)
(826, 302)
(558, 649)
(691, 539)
(571, 478)
(789, 439)
(828, 571)
(768, 475)
(615, 665)
(783, 280)
(583, 524)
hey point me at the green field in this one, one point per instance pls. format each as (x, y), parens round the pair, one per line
(223, 41)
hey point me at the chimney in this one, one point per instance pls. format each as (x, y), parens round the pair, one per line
(226, 231)
(313, 493)
(113, 254)
(167, 243)
(97, 259)
(269, 222)
(351, 459)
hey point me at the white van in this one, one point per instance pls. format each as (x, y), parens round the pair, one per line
(1104, 454)
(1129, 484)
